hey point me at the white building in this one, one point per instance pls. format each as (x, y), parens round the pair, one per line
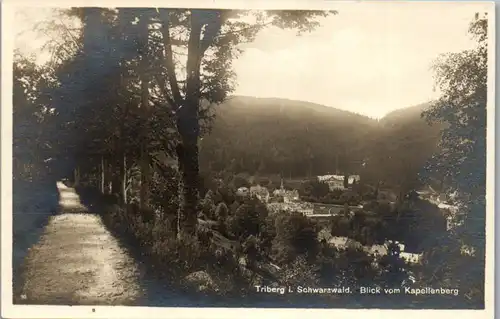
(288, 196)
(374, 250)
(411, 258)
(337, 181)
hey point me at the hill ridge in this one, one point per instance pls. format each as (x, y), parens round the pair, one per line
(314, 105)
(294, 138)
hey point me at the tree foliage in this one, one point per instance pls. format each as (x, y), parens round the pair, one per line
(462, 79)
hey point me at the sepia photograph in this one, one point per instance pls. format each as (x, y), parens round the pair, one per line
(178, 159)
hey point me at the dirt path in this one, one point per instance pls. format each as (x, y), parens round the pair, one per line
(77, 261)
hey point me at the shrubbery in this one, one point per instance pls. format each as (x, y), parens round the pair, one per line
(289, 241)
(319, 192)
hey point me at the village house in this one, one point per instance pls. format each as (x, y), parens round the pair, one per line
(304, 208)
(428, 193)
(411, 257)
(440, 200)
(374, 250)
(289, 196)
(300, 207)
(324, 178)
(335, 184)
(337, 181)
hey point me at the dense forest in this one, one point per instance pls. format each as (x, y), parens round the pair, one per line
(160, 146)
(296, 139)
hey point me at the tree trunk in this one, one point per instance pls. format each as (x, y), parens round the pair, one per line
(103, 171)
(189, 130)
(145, 160)
(108, 178)
(145, 174)
(115, 186)
(123, 180)
(76, 174)
(187, 153)
(346, 181)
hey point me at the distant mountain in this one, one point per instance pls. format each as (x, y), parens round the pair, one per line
(262, 136)
(405, 142)
(405, 115)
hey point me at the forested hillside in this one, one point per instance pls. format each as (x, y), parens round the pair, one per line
(262, 136)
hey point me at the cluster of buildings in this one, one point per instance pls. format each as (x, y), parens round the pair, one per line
(337, 181)
(300, 207)
(263, 194)
(283, 199)
(440, 200)
(375, 250)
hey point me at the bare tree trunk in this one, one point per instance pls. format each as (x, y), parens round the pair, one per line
(346, 180)
(145, 170)
(187, 153)
(145, 158)
(103, 171)
(123, 179)
(76, 174)
(108, 177)
(189, 130)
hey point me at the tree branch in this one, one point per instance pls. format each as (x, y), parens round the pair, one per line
(75, 40)
(212, 29)
(169, 63)
(255, 26)
(173, 39)
(163, 87)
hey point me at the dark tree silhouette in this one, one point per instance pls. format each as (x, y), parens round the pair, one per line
(461, 165)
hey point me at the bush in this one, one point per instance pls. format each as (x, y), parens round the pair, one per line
(226, 194)
(221, 212)
(295, 235)
(239, 181)
(329, 200)
(341, 227)
(262, 181)
(208, 205)
(164, 192)
(289, 240)
(299, 273)
(248, 219)
(314, 188)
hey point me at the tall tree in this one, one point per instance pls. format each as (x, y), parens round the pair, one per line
(462, 79)
(32, 113)
(143, 36)
(210, 38)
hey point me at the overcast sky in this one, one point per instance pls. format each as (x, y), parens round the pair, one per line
(369, 59)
